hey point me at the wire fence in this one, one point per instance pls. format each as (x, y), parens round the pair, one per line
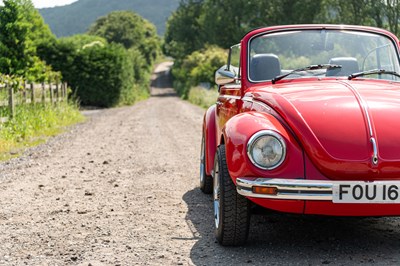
(29, 93)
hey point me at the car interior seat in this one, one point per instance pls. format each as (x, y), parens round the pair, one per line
(349, 66)
(264, 67)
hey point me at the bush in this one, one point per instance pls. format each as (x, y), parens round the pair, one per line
(198, 67)
(100, 74)
(103, 76)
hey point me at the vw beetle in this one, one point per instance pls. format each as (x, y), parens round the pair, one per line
(307, 121)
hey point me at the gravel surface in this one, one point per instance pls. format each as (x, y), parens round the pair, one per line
(122, 189)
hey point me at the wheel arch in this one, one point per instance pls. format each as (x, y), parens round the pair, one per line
(209, 133)
(236, 134)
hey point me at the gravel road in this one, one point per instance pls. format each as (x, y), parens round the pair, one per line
(122, 189)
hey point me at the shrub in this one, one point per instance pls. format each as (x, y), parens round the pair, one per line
(197, 68)
(100, 74)
(103, 75)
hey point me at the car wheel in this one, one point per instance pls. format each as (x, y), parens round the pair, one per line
(206, 181)
(231, 210)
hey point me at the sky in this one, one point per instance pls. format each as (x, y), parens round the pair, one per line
(51, 3)
(48, 3)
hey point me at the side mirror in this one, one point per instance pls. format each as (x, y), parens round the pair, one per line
(224, 76)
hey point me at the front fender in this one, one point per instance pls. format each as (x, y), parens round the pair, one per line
(237, 132)
(209, 131)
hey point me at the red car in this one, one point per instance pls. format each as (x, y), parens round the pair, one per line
(307, 121)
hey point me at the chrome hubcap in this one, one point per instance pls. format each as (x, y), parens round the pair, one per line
(216, 194)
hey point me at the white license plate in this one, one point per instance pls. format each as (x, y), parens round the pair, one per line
(366, 192)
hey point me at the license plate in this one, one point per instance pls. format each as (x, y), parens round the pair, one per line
(366, 192)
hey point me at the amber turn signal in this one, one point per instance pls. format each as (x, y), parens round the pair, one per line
(265, 190)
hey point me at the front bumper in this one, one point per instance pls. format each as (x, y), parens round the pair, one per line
(287, 189)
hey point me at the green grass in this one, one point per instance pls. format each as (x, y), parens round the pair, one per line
(34, 124)
(202, 97)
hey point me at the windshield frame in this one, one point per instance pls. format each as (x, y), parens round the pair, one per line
(338, 28)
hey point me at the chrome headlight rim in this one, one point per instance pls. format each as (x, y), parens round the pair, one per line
(256, 137)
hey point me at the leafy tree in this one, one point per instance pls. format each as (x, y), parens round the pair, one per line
(130, 30)
(184, 30)
(13, 40)
(21, 30)
(392, 8)
(221, 22)
(198, 67)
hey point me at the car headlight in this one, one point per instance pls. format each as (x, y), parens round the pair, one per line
(266, 149)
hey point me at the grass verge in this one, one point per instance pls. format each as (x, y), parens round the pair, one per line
(202, 97)
(32, 125)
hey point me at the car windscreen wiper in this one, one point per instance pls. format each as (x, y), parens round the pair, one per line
(311, 67)
(372, 72)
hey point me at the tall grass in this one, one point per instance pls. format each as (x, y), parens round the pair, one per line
(203, 97)
(33, 123)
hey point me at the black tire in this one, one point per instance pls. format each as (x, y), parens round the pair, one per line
(232, 215)
(206, 181)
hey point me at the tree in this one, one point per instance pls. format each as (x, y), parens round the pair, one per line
(130, 30)
(22, 29)
(392, 8)
(184, 30)
(14, 42)
(198, 67)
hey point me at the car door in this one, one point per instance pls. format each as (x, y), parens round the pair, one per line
(229, 97)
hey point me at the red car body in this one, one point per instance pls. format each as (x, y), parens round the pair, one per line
(336, 130)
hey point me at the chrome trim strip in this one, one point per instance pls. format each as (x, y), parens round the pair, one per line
(364, 107)
(375, 159)
(262, 105)
(226, 96)
(233, 86)
(247, 99)
(288, 189)
(250, 99)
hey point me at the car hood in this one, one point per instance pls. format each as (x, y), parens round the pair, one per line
(348, 129)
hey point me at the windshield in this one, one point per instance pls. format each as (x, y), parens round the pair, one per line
(276, 54)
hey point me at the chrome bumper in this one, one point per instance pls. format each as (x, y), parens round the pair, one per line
(288, 189)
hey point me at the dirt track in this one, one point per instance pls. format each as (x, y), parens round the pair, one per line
(122, 189)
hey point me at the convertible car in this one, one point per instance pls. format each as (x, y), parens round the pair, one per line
(307, 121)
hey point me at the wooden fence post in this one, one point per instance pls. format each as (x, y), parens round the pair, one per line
(11, 102)
(58, 92)
(51, 93)
(25, 100)
(64, 91)
(43, 93)
(32, 94)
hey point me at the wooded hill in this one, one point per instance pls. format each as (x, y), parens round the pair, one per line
(77, 17)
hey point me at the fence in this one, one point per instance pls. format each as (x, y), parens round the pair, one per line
(30, 93)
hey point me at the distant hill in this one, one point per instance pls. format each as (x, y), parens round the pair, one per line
(77, 17)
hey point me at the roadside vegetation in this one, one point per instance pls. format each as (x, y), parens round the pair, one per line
(32, 125)
(207, 28)
(111, 64)
(108, 66)
(202, 96)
